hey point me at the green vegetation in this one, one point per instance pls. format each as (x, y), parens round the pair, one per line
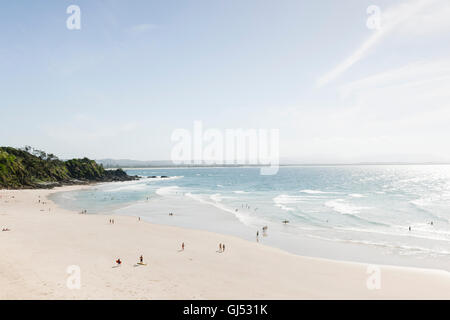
(31, 168)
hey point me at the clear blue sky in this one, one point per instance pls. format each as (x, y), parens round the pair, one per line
(137, 70)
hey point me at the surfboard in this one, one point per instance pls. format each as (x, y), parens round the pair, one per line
(142, 264)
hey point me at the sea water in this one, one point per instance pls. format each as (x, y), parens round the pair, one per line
(387, 214)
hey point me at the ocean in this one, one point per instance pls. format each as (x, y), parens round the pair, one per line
(379, 214)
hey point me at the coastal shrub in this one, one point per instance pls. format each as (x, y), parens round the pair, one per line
(32, 168)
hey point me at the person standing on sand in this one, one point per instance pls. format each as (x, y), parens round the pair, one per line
(141, 259)
(223, 247)
(182, 246)
(220, 247)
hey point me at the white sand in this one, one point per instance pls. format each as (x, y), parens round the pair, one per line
(35, 254)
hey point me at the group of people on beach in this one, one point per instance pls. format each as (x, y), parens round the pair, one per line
(264, 230)
(141, 258)
(141, 261)
(431, 223)
(111, 221)
(246, 207)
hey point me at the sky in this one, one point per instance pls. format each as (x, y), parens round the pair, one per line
(338, 83)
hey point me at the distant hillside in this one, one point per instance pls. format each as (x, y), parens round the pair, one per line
(31, 168)
(127, 163)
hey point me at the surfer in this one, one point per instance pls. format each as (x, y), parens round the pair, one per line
(141, 259)
(119, 262)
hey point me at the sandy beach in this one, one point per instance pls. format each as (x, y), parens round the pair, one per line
(44, 240)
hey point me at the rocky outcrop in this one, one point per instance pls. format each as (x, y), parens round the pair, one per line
(31, 168)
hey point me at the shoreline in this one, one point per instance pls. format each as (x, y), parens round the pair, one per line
(42, 244)
(196, 212)
(219, 215)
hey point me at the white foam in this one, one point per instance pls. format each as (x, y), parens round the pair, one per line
(418, 231)
(216, 197)
(317, 192)
(343, 207)
(283, 207)
(283, 199)
(167, 191)
(356, 195)
(423, 202)
(403, 249)
(201, 198)
(133, 187)
(159, 178)
(287, 199)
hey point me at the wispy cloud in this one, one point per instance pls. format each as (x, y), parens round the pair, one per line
(412, 99)
(404, 16)
(434, 18)
(142, 28)
(399, 114)
(420, 73)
